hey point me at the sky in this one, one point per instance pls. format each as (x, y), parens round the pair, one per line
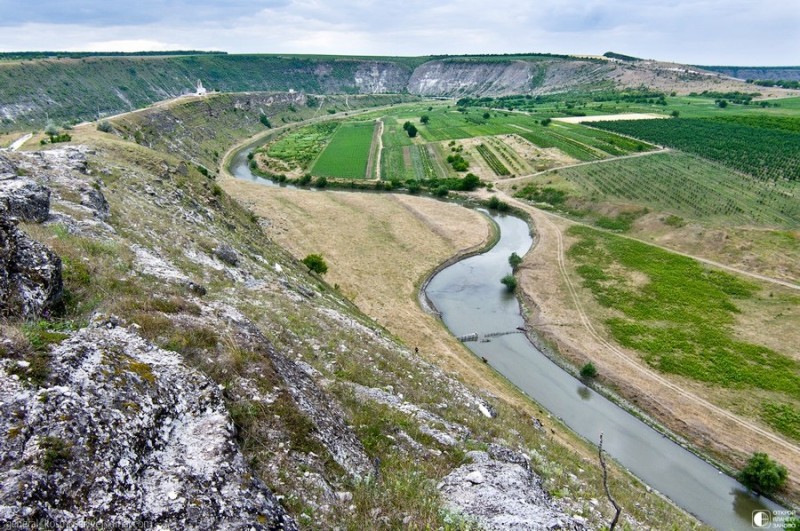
(706, 32)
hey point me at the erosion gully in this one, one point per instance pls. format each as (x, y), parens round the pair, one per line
(471, 300)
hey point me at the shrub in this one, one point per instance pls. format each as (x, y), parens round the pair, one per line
(425, 119)
(546, 122)
(265, 121)
(514, 261)
(510, 282)
(316, 264)
(588, 370)
(441, 191)
(762, 475)
(322, 182)
(411, 130)
(105, 127)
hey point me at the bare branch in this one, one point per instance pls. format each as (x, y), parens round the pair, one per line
(605, 485)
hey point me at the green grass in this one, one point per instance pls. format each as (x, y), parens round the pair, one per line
(347, 153)
(681, 318)
(691, 187)
(783, 417)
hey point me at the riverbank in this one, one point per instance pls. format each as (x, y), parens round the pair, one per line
(558, 316)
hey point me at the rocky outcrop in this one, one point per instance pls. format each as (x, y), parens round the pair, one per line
(25, 199)
(467, 78)
(500, 491)
(30, 274)
(121, 435)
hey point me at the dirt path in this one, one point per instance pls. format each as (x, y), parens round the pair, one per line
(707, 261)
(376, 152)
(16, 144)
(709, 426)
(633, 156)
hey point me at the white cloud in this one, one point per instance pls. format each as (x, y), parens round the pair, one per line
(692, 31)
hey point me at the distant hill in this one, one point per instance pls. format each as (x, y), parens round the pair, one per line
(69, 89)
(787, 73)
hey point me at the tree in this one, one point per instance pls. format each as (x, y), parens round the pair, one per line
(406, 125)
(722, 104)
(104, 127)
(514, 261)
(510, 282)
(411, 130)
(322, 182)
(265, 121)
(486, 115)
(762, 475)
(546, 122)
(588, 370)
(425, 119)
(51, 129)
(316, 263)
(675, 114)
(470, 182)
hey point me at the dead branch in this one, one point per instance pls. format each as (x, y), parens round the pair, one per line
(605, 485)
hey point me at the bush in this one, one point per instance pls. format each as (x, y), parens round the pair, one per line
(265, 121)
(441, 191)
(316, 264)
(425, 119)
(588, 370)
(104, 127)
(510, 282)
(411, 130)
(322, 182)
(514, 261)
(762, 475)
(546, 122)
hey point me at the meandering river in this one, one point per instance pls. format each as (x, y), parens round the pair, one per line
(470, 298)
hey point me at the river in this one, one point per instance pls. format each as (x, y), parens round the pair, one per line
(470, 298)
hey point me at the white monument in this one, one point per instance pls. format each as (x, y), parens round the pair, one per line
(200, 90)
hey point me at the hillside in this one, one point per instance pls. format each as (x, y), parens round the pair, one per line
(69, 90)
(241, 390)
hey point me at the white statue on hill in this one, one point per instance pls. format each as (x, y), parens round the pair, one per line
(200, 90)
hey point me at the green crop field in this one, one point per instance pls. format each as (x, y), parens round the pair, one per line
(301, 147)
(347, 153)
(690, 186)
(761, 152)
(681, 319)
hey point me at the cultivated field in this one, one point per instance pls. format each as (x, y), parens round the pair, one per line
(758, 151)
(347, 153)
(683, 185)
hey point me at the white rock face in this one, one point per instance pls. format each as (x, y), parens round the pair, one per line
(499, 490)
(123, 434)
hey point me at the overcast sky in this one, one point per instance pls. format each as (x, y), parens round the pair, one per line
(733, 32)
